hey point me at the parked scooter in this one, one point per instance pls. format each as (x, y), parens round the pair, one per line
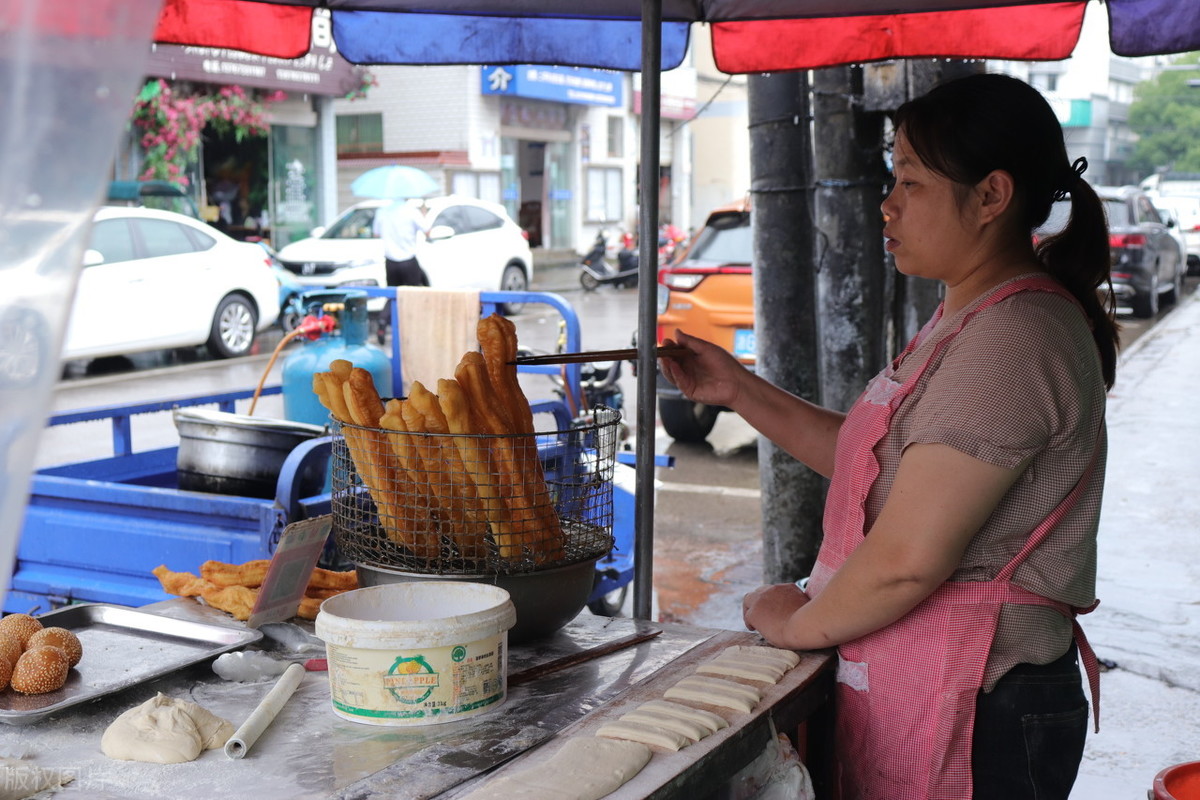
(597, 270)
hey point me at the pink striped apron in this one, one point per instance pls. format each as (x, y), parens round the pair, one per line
(906, 693)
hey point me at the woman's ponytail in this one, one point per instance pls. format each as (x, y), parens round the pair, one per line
(1078, 257)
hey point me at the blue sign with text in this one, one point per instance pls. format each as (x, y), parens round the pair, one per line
(590, 87)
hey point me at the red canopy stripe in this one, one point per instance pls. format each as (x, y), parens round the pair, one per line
(281, 31)
(1031, 32)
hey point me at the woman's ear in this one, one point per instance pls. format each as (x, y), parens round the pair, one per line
(995, 194)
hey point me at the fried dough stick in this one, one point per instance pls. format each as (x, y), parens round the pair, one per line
(515, 477)
(478, 463)
(373, 457)
(181, 584)
(252, 573)
(447, 473)
(498, 341)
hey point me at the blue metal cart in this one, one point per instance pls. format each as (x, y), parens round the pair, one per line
(95, 530)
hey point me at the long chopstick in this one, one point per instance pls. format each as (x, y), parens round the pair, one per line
(625, 354)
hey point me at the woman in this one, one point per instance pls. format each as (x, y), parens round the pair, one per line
(960, 523)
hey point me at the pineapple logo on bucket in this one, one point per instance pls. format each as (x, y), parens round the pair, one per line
(411, 680)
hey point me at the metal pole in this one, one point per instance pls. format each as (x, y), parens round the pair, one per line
(643, 517)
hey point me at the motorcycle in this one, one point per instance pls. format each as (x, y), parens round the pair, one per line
(597, 270)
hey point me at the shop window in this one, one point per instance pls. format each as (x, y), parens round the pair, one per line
(603, 194)
(616, 137)
(359, 133)
(480, 185)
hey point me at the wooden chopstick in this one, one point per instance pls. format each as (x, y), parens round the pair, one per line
(625, 354)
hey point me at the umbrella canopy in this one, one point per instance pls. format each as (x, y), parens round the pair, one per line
(748, 35)
(652, 35)
(394, 182)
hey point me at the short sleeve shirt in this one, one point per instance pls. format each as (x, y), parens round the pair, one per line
(1020, 387)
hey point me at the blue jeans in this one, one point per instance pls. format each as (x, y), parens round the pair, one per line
(1029, 732)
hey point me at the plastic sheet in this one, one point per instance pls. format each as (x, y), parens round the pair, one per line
(68, 74)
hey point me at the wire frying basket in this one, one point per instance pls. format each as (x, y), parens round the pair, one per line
(474, 504)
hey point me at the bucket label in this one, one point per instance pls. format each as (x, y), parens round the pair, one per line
(411, 680)
(417, 687)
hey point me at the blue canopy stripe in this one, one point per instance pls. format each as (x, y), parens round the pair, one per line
(389, 37)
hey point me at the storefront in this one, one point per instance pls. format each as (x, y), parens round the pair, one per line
(555, 176)
(266, 162)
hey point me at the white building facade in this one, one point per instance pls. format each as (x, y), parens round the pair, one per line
(557, 146)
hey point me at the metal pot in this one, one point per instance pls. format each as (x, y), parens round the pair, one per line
(236, 454)
(545, 600)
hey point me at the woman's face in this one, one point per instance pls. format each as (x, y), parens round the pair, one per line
(923, 225)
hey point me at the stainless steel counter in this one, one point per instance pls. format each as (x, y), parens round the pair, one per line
(308, 752)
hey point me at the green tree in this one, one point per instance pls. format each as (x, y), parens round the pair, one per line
(1166, 117)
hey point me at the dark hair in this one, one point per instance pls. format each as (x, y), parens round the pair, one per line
(965, 128)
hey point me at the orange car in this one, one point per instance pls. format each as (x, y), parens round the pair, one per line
(708, 292)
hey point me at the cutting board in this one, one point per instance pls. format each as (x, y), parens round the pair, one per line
(701, 767)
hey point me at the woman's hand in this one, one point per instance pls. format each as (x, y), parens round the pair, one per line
(705, 374)
(767, 610)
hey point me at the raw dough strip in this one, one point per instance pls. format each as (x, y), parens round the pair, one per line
(787, 656)
(584, 768)
(693, 731)
(738, 668)
(773, 665)
(646, 734)
(709, 697)
(714, 722)
(750, 693)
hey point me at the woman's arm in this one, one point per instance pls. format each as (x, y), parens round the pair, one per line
(709, 374)
(939, 499)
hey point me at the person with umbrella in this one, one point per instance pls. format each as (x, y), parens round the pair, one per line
(960, 522)
(402, 224)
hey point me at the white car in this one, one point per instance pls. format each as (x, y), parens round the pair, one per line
(1186, 209)
(472, 244)
(153, 280)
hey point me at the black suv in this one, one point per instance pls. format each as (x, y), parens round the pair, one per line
(1147, 265)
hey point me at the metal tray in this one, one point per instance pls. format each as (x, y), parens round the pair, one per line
(122, 647)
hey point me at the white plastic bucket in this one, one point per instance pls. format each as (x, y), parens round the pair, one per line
(417, 653)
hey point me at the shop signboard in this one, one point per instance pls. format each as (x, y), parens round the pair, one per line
(590, 87)
(322, 71)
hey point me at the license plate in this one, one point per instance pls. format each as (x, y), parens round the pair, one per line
(743, 343)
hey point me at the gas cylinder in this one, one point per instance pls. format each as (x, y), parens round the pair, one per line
(348, 341)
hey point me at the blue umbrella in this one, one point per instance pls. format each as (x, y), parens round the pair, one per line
(394, 182)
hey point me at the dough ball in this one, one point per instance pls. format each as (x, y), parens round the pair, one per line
(59, 637)
(10, 649)
(40, 670)
(20, 627)
(6, 671)
(165, 730)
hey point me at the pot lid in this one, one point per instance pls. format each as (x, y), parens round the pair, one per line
(209, 416)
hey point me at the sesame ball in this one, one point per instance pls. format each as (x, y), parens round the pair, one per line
(40, 670)
(20, 627)
(58, 637)
(6, 669)
(10, 649)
